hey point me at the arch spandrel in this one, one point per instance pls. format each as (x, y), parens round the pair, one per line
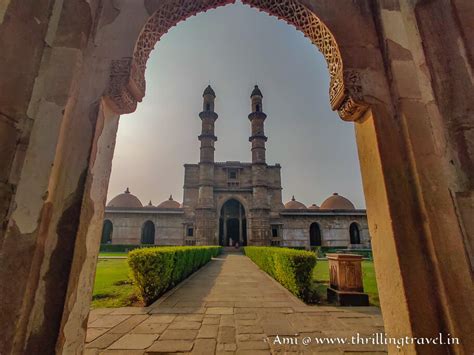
(127, 79)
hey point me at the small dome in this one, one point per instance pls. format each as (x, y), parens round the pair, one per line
(150, 205)
(209, 91)
(256, 92)
(336, 202)
(169, 203)
(313, 207)
(126, 200)
(294, 205)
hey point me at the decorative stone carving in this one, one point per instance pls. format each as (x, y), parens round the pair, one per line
(352, 106)
(127, 86)
(119, 96)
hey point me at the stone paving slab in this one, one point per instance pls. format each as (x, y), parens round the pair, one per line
(228, 307)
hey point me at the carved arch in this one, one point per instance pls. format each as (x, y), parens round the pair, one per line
(127, 85)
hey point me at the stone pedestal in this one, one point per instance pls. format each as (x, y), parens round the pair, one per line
(346, 288)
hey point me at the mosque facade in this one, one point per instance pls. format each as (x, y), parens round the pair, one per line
(234, 203)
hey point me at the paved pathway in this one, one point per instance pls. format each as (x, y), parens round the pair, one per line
(230, 306)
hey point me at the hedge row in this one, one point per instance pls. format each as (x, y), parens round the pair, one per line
(292, 268)
(120, 248)
(156, 270)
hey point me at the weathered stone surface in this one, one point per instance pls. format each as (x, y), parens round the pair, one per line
(108, 321)
(208, 331)
(220, 310)
(226, 335)
(170, 346)
(149, 328)
(184, 325)
(129, 324)
(175, 334)
(104, 341)
(204, 346)
(134, 341)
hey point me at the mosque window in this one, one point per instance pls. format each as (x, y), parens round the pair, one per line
(208, 107)
(190, 232)
(257, 108)
(275, 231)
(232, 174)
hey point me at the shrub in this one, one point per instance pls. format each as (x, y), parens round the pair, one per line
(156, 270)
(292, 268)
(119, 248)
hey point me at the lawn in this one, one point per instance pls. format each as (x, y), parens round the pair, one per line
(321, 276)
(112, 253)
(112, 287)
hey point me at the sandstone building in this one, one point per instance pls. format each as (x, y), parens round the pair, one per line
(234, 202)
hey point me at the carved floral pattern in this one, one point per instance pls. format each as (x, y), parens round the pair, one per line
(128, 75)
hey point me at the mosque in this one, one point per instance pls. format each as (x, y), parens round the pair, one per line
(229, 203)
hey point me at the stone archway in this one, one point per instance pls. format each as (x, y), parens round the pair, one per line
(232, 223)
(127, 85)
(415, 152)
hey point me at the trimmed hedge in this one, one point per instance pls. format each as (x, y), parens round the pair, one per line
(292, 268)
(120, 248)
(156, 270)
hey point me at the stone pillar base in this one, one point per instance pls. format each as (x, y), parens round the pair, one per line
(343, 298)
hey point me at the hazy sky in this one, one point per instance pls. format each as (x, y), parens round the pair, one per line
(233, 48)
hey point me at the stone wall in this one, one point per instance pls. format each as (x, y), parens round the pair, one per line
(334, 230)
(127, 227)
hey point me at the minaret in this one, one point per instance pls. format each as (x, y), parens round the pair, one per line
(205, 211)
(257, 119)
(259, 221)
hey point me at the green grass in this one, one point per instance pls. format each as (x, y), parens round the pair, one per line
(112, 286)
(113, 253)
(321, 278)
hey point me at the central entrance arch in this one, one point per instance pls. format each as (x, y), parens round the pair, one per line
(232, 224)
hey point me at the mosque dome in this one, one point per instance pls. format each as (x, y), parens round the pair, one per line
(256, 92)
(169, 203)
(150, 205)
(313, 207)
(126, 200)
(294, 205)
(337, 202)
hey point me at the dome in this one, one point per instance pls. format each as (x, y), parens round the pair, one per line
(336, 202)
(313, 207)
(256, 92)
(294, 205)
(209, 91)
(126, 200)
(169, 203)
(150, 205)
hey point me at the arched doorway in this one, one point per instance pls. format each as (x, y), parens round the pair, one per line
(379, 133)
(315, 235)
(148, 233)
(232, 224)
(107, 231)
(354, 233)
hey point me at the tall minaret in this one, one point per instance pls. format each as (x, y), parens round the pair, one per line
(205, 212)
(257, 119)
(259, 221)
